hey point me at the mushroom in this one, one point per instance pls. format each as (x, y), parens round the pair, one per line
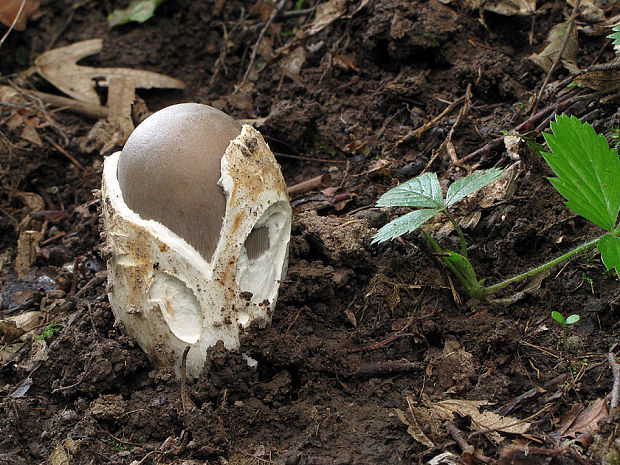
(197, 225)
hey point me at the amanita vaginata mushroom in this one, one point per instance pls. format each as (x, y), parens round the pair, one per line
(197, 225)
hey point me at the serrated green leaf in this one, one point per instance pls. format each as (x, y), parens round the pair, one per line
(616, 35)
(557, 316)
(470, 184)
(587, 170)
(138, 11)
(404, 224)
(609, 247)
(572, 319)
(422, 191)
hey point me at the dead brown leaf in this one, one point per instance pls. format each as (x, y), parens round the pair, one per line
(580, 420)
(505, 7)
(59, 67)
(555, 38)
(481, 421)
(326, 13)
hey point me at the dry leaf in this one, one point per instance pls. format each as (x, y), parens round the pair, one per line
(326, 13)
(589, 11)
(34, 201)
(555, 38)
(10, 8)
(446, 409)
(505, 7)
(27, 245)
(118, 126)
(585, 421)
(59, 456)
(418, 419)
(292, 63)
(59, 67)
(413, 428)
(604, 81)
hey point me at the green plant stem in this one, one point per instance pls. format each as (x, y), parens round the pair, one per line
(541, 268)
(459, 231)
(565, 345)
(474, 289)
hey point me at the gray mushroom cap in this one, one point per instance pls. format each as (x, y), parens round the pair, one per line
(169, 168)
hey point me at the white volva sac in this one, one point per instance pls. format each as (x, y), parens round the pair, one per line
(166, 293)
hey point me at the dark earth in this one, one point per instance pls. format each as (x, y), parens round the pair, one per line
(363, 334)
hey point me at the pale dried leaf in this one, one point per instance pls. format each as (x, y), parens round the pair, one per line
(502, 189)
(505, 7)
(34, 201)
(292, 63)
(413, 428)
(326, 13)
(30, 134)
(27, 245)
(555, 38)
(589, 11)
(59, 67)
(59, 456)
(480, 420)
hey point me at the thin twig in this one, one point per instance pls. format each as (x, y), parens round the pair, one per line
(426, 126)
(526, 125)
(556, 60)
(272, 17)
(6, 34)
(464, 445)
(448, 139)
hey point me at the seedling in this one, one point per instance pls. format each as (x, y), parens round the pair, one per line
(572, 319)
(588, 176)
(48, 331)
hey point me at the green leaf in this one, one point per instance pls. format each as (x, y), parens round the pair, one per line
(609, 247)
(422, 191)
(469, 184)
(616, 35)
(404, 224)
(572, 319)
(138, 11)
(465, 268)
(587, 170)
(557, 316)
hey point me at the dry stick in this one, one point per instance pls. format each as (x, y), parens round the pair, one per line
(272, 17)
(385, 368)
(525, 125)
(64, 152)
(464, 445)
(426, 126)
(319, 181)
(21, 8)
(556, 61)
(448, 139)
(615, 390)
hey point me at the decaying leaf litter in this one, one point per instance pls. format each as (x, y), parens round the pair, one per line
(369, 343)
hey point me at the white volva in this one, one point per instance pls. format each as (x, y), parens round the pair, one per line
(166, 294)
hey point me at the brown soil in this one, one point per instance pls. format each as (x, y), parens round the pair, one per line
(358, 328)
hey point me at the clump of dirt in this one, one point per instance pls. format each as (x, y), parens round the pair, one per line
(365, 336)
